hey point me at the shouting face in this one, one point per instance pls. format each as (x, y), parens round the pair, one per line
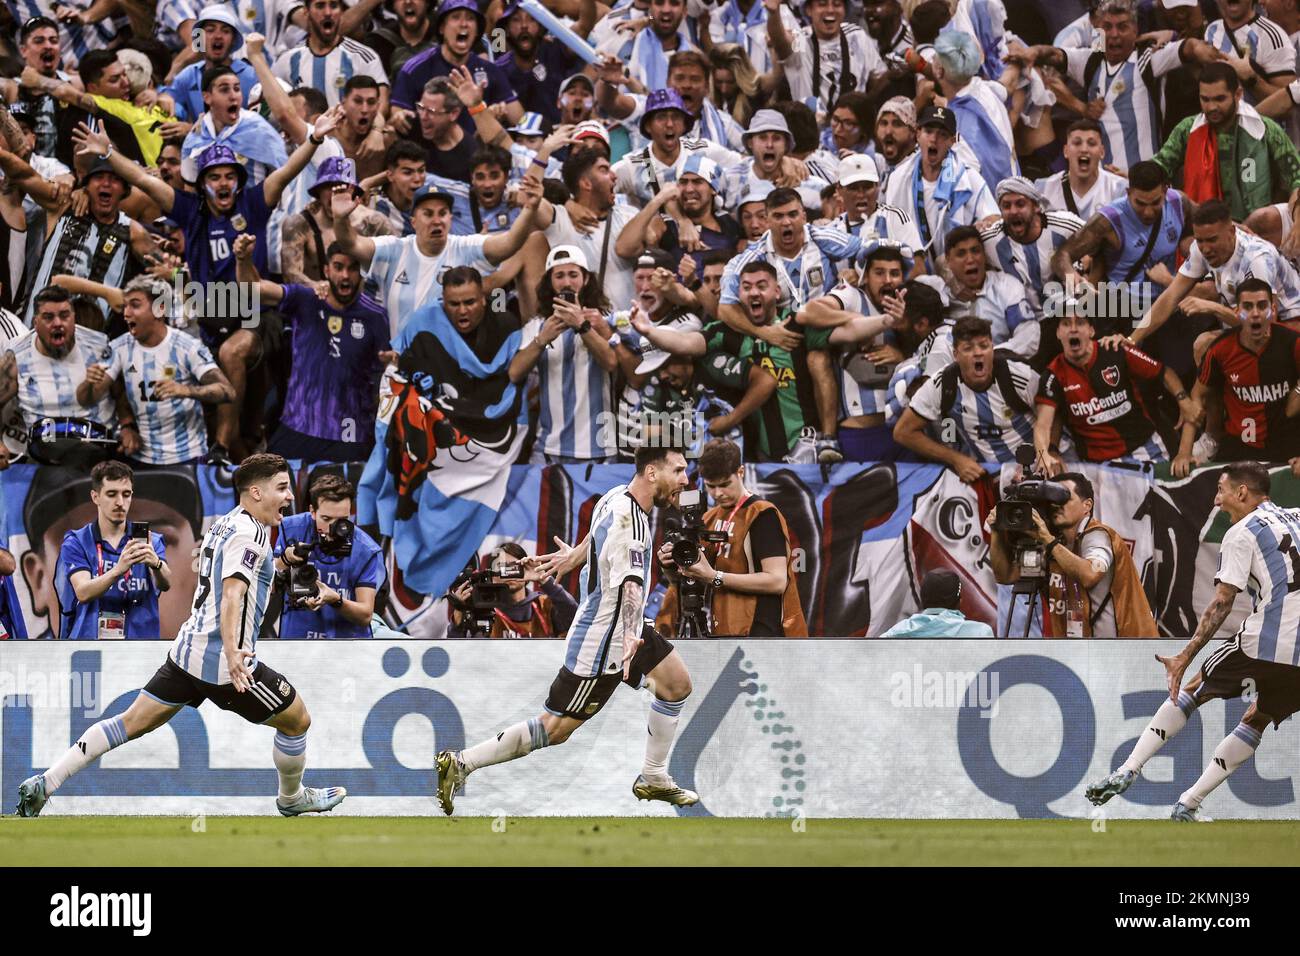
(41, 50)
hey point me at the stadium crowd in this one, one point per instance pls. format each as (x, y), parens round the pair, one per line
(878, 230)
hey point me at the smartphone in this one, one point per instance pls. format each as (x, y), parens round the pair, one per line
(140, 529)
(571, 297)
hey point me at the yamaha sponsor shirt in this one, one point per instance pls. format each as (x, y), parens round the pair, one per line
(1254, 389)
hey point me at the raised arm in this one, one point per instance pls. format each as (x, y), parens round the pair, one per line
(489, 128)
(282, 109)
(609, 98)
(95, 141)
(246, 271)
(776, 33)
(277, 182)
(64, 92)
(636, 235)
(361, 248)
(502, 245)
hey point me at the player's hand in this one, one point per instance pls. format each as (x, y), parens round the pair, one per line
(241, 678)
(894, 306)
(529, 194)
(170, 388)
(781, 337)
(1041, 532)
(462, 84)
(630, 646)
(722, 424)
(243, 245)
(96, 375)
(175, 129)
(1193, 305)
(583, 219)
(1095, 109)
(558, 563)
(968, 469)
(1294, 463)
(686, 269)
(1192, 411)
(568, 313)
(1049, 464)
(639, 320)
(1174, 668)
(90, 141)
(328, 121)
(129, 440)
(1182, 465)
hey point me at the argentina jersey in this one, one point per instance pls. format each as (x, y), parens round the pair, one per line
(331, 72)
(172, 429)
(1260, 554)
(855, 398)
(1031, 262)
(236, 546)
(409, 280)
(47, 387)
(75, 39)
(990, 424)
(1261, 41)
(83, 247)
(1131, 123)
(576, 397)
(1252, 258)
(887, 222)
(1003, 304)
(810, 273)
(618, 550)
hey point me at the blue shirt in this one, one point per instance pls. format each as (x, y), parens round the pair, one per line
(187, 88)
(939, 622)
(538, 89)
(421, 68)
(363, 568)
(334, 379)
(133, 594)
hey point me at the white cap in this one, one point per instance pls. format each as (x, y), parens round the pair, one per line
(651, 357)
(566, 255)
(1170, 4)
(858, 168)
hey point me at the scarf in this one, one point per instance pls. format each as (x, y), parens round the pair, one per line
(251, 137)
(997, 156)
(735, 24)
(946, 194)
(646, 52)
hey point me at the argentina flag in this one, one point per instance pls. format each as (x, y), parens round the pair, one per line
(450, 425)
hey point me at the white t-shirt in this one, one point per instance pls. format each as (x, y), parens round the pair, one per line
(619, 288)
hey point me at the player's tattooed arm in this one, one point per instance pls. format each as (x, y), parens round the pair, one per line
(630, 621)
(1211, 620)
(8, 377)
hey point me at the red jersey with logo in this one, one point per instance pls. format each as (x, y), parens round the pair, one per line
(1102, 407)
(1254, 389)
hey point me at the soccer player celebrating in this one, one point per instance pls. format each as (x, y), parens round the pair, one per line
(608, 641)
(1259, 552)
(214, 656)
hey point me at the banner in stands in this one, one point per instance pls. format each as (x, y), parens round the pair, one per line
(866, 534)
(774, 728)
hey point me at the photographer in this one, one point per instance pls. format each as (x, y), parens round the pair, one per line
(518, 612)
(102, 594)
(324, 549)
(753, 587)
(1093, 587)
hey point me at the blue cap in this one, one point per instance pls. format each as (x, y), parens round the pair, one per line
(336, 170)
(220, 154)
(660, 100)
(529, 125)
(431, 190)
(447, 6)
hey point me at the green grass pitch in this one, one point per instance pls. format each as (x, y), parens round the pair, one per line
(605, 841)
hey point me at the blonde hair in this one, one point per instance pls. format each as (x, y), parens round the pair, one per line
(732, 57)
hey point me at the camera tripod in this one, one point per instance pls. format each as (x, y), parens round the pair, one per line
(1032, 587)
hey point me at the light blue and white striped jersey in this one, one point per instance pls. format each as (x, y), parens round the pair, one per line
(810, 273)
(1260, 40)
(1252, 258)
(271, 19)
(409, 280)
(172, 429)
(619, 550)
(47, 387)
(1060, 196)
(81, 246)
(646, 57)
(329, 73)
(1260, 554)
(1031, 263)
(932, 356)
(960, 197)
(728, 24)
(832, 76)
(1003, 303)
(75, 39)
(1079, 33)
(1131, 123)
(740, 179)
(576, 397)
(169, 15)
(236, 546)
(989, 426)
(295, 199)
(401, 221)
(887, 222)
(856, 399)
(641, 174)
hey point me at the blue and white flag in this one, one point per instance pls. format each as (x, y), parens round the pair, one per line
(251, 137)
(450, 425)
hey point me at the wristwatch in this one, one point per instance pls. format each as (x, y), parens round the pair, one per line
(717, 580)
(585, 327)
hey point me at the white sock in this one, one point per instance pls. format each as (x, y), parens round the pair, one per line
(515, 741)
(1233, 751)
(661, 727)
(290, 756)
(98, 740)
(1169, 719)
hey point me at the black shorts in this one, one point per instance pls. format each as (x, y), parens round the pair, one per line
(583, 697)
(269, 694)
(1231, 672)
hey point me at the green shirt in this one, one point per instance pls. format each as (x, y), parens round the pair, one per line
(1253, 172)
